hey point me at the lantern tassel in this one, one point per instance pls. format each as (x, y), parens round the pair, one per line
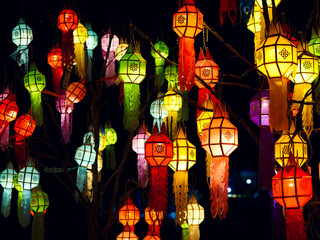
(6, 202)
(110, 157)
(81, 178)
(159, 70)
(65, 127)
(36, 108)
(131, 106)
(180, 190)
(296, 229)
(185, 232)
(143, 171)
(219, 178)
(158, 196)
(21, 56)
(194, 232)
(19, 205)
(25, 208)
(57, 74)
(89, 70)
(89, 184)
(38, 226)
(4, 135)
(79, 58)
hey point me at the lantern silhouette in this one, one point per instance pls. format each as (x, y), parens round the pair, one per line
(65, 109)
(111, 138)
(6, 181)
(292, 189)
(75, 92)
(80, 35)
(220, 139)
(158, 153)
(307, 72)
(173, 103)
(171, 75)
(184, 157)
(277, 59)
(35, 82)
(56, 62)
(195, 216)
(314, 43)
(29, 178)
(132, 71)
(159, 54)
(109, 44)
(24, 127)
(121, 49)
(91, 43)
(138, 145)
(39, 205)
(187, 23)
(158, 111)
(154, 220)
(22, 36)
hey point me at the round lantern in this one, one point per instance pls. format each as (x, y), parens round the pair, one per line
(171, 74)
(159, 54)
(195, 216)
(121, 49)
(91, 43)
(75, 92)
(259, 108)
(314, 43)
(67, 20)
(157, 110)
(111, 138)
(129, 214)
(56, 61)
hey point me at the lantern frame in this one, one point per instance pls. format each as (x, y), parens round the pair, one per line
(22, 34)
(259, 108)
(39, 200)
(8, 110)
(75, 92)
(24, 125)
(67, 20)
(129, 214)
(85, 155)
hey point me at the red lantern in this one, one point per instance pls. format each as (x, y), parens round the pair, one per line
(56, 61)
(159, 152)
(154, 220)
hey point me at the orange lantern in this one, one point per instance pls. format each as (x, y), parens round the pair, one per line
(127, 234)
(158, 153)
(154, 220)
(129, 215)
(75, 92)
(56, 61)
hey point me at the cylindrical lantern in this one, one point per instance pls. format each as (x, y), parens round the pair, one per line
(80, 35)
(6, 181)
(109, 44)
(160, 52)
(158, 111)
(35, 82)
(56, 61)
(171, 75)
(187, 23)
(111, 138)
(91, 43)
(195, 216)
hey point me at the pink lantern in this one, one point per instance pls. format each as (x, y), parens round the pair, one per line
(65, 109)
(109, 44)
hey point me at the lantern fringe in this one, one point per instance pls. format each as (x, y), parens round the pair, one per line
(157, 121)
(131, 106)
(20, 150)
(19, 205)
(110, 157)
(219, 179)
(6, 202)
(81, 178)
(185, 233)
(208, 167)
(38, 226)
(159, 70)
(89, 185)
(79, 58)
(180, 191)
(57, 74)
(296, 229)
(21, 56)
(4, 135)
(25, 208)
(194, 232)
(186, 64)
(143, 172)
(65, 126)
(36, 108)
(158, 196)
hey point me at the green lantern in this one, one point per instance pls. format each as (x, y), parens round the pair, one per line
(314, 43)
(171, 75)
(111, 139)
(162, 51)
(20, 195)
(35, 82)
(132, 71)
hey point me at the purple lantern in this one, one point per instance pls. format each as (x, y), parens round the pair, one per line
(109, 44)
(65, 112)
(259, 108)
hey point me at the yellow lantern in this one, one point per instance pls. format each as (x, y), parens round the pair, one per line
(195, 216)
(80, 35)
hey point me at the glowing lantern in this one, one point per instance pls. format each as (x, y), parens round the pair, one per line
(67, 20)
(127, 234)
(314, 43)
(220, 139)
(65, 109)
(277, 59)
(184, 157)
(171, 75)
(129, 214)
(22, 36)
(111, 138)
(35, 82)
(154, 220)
(173, 103)
(187, 23)
(138, 145)
(29, 178)
(24, 127)
(132, 71)
(75, 93)
(91, 43)
(121, 49)
(292, 189)
(109, 44)
(6, 181)
(56, 61)
(39, 205)
(307, 72)
(195, 216)
(158, 153)
(160, 52)
(80, 35)
(157, 110)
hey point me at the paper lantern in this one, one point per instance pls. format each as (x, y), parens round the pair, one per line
(129, 214)
(159, 54)
(22, 36)
(121, 49)
(91, 43)
(35, 82)
(184, 157)
(127, 234)
(109, 44)
(314, 43)
(80, 35)
(187, 23)
(154, 220)
(173, 103)
(277, 59)
(132, 71)
(111, 138)
(195, 216)
(39, 205)
(56, 61)
(65, 109)
(6, 181)
(158, 153)
(220, 139)
(171, 75)
(67, 20)
(292, 189)
(29, 178)
(157, 110)
(75, 92)
(259, 108)
(24, 127)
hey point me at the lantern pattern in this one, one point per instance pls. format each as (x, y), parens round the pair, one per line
(65, 108)
(80, 35)
(109, 44)
(292, 189)
(132, 71)
(138, 145)
(6, 181)
(121, 49)
(35, 82)
(154, 220)
(111, 138)
(195, 216)
(158, 111)
(171, 75)
(277, 59)
(158, 153)
(187, 23)
(159, 53)
(184, 157)
(56, 62)
(29, 178)
(91, 43)
(22, 36)
(220, 139)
